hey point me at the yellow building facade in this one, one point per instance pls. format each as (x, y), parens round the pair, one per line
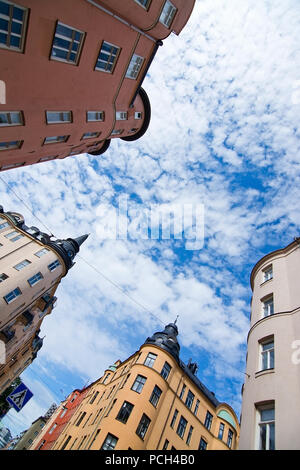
(151, 401)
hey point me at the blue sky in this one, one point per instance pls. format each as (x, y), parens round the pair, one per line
(224, 134)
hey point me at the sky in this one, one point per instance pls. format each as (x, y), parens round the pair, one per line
(224, 139)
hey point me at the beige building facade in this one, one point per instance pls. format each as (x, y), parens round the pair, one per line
(32, 265)
(270, 397)
(150, 401)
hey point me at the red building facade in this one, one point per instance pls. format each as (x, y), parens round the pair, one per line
(72, 73)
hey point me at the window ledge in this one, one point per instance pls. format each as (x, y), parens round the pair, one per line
(264, 372)
(265, 282)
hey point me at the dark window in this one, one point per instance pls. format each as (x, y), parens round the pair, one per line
(189, 399)
(181, 426)
(81, 418)
(196, 407)
(189, 435)
(174, 418)
(67, 44)
(182, 391)
(149, 361)
(124, 412)
(139, 383)
(230, 437)
(107, 57)
(203, 444)
(155, 395)
(143, 426)
(221, 431)
(166, 370)
(165, 445)
(208, 420)
(110, 442)
(66, 442)
(94, 397)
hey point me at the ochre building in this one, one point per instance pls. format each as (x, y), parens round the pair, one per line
(270, 399)
(72, 73)
(150, 401)
(32, 264)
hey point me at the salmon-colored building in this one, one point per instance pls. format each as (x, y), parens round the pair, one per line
(32, 264)
(71, 73)
(150, 401)
(270, 398)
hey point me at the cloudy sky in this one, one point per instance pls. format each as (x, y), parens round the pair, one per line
(224, 137)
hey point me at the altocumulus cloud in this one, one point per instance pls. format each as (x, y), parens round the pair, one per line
(224, 133)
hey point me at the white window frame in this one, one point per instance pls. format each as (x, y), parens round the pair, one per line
(121, 115)
(12, 165)
(12, 20)
(14, 236)
(134, 67)
(71, 40)
(59, 139)
(52, 266)
(33, 280)
(168, 13)
(62, 116)
(144, 3)
(15, 293)
(22, 264)
(11, 120)
(267, 273)
(41, 252)
(267, 423)
(110, 55)
(266, 354)
(90, 135)
(13, 144)
(138, 115)
(99, 116)
(268, 306)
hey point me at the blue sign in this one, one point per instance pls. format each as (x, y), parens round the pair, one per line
(19, 397)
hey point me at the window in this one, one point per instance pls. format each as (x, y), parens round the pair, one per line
(208, 420)
(138, 115)
(14, 144)
(12, 165)
(3, 276)
(165, 445)
(203, 444)
(11, 118)
(45, 159)
(55, 117)
(90, 135)
(11, 296)
(110, 442)
(106, 378)
(64, 410)
(80, 418)
(13, 19)
(4, 225)
(174, 418)
(267, 354)
(107, 57)
(121, 115)
(55, 139)
(35, 279)
(53, 265)
(94, 397)
(144, 3)
(182, 391)
(52, 428)
(92, 116)
(67, 44)
(155, 396)
(143, 426)
(166, 370)
(13, 236)
(167, 14)
(268, 273)
(229, 438)
(181, 426)
(188, 440)
(196, 407)
(124, 412)
(221, 431)
(189, 399)
(117, 132)
(266, 427)
(134, 66)
(22, 265)
(41, 252)
(139, 383)
(149, 361)
(268, 306)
